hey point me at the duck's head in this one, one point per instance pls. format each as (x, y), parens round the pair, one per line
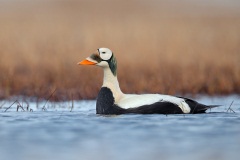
(104, 58)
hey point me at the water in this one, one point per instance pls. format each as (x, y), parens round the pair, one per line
(60, 134)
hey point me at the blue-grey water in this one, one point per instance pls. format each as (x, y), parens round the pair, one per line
(57, 133)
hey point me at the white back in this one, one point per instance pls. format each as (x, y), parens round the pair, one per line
(134, 100)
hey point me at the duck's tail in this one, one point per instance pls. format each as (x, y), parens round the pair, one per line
(204, 108)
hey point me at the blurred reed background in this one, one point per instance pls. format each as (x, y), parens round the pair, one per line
(169, 47)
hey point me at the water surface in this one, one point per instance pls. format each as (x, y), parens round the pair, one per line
(57, 133)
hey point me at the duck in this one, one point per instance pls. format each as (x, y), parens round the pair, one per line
(112, 101)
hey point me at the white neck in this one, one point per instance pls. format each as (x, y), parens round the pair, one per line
(111, 81)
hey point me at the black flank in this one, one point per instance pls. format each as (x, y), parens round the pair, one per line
(157, 108)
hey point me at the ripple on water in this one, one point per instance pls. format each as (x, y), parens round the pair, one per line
(81, 134)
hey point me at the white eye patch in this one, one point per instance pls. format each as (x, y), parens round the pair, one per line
(105, 53)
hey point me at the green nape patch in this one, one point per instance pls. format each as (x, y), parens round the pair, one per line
(113, 65)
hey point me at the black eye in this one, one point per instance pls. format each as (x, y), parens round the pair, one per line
(103, 52)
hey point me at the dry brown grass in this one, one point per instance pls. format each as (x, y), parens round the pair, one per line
(164, 47)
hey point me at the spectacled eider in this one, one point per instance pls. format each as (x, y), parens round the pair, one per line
(111, 100)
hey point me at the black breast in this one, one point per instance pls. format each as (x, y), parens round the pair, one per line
(105, 103)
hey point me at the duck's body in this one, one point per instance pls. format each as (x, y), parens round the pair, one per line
(111, 100)
(146, 104)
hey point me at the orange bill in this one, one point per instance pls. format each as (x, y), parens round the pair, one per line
(86, 62)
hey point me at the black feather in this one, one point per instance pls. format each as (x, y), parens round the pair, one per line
(197, 107)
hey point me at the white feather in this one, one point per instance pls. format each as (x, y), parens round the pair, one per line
(105, 53)
(110, 81)
(134, 100)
